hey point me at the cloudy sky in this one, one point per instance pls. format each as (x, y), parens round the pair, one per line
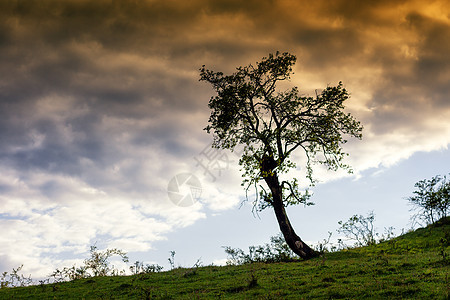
(101, 107)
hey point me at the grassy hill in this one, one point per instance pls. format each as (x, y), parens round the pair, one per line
(414, 265)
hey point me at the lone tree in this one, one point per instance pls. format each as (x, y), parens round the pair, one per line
(431, 199)
(269, 124)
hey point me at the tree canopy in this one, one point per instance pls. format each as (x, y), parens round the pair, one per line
(249, 111)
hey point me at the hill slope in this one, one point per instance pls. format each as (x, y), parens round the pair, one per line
(414, 265)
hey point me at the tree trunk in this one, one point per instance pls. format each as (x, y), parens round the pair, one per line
(291, 238)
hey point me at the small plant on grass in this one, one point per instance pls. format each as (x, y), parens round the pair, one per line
(171, 260)
(325, 245)
(198, 263)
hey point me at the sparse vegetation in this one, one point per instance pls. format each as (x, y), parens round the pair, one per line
(414, 265)
(96, 265)
(277, 251)
(359, 229)
(15, 278)
(139, 268)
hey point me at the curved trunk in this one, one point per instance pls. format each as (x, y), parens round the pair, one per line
(291, 238)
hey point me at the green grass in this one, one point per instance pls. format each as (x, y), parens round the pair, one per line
(415, 265)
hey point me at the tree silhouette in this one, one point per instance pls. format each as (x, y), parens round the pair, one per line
(248, 110)
(431, 199)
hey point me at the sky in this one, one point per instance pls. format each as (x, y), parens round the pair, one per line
(102, 116)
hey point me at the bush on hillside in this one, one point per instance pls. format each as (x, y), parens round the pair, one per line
(431, 200)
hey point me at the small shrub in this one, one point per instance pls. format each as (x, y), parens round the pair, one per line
(431, 200)
(325, 245)
(15, 279)
(236, 256)
(388, 234)
(71, 273)
(139, 268)
(97, 265)
(359, 229)
(276, 251)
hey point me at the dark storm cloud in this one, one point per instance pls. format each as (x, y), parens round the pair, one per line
(104, 62)
(116, 59)
(100, 103)
(411, 97)
(432, 69)
(95, 55)
(138, 60)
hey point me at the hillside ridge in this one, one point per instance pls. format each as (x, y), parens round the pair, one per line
(413, 265)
